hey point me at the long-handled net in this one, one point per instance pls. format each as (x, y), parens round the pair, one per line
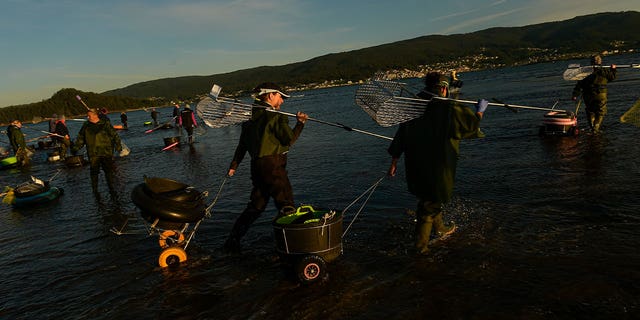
(576, 72)
(390, 102)
(218, 112)
(632, 116)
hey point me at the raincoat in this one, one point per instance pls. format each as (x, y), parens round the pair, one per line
(431, 148)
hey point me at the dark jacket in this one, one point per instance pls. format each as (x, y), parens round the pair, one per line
(187, 119)
(100, 138)
(60, 129)
(265, 134)
(595, 84)
(431, 147)
(16, 137)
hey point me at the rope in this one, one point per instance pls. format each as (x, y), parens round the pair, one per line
(208, 210)
(370, 192)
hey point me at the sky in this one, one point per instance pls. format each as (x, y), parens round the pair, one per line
(100, 45)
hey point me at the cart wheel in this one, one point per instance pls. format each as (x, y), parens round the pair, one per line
(169, 237)
(172, 256)
(310, 269)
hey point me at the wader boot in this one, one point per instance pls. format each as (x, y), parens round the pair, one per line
(591, 119)
(442, 230)
(423, 233)
(597, 122)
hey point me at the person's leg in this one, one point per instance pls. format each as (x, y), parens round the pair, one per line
(425, 214)
(108, 166)
(94, 171)
(255, 207)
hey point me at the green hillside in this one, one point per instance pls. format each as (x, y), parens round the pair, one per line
(495, 47)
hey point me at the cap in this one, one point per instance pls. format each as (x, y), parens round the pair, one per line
(269, 87)
(92, 110)
(187, 106)
(436, 80)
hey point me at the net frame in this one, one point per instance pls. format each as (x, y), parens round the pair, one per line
(389, 103)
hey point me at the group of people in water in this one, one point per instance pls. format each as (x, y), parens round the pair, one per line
(429, 143)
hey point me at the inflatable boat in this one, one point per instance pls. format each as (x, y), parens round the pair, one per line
(174, 211)
(33, 193)
(557, 123)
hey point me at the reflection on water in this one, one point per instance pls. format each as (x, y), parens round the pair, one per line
(547, 225)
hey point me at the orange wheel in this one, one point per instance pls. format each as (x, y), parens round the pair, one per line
(172, 256)
(170, 237)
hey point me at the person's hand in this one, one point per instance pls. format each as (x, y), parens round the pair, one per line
(302, 117)
(392, 170)
(482, 105)
(613, 66)
(231, 172)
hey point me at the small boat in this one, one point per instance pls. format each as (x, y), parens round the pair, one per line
(557, 123)
(560, 123)
(8, 162)
(171, 142)
(32, 193)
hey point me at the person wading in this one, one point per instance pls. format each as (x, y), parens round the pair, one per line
(430, 145)
(267, 138)
(594, 92)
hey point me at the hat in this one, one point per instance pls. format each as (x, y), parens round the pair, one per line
(269, 87)
(92, 110)
(187, 106)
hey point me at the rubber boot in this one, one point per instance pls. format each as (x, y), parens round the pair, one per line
(597, 123)
(591, 120)
(423, 233)
(443, 230)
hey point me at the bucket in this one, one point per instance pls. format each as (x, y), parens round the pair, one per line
(171, 140)
(309, 231)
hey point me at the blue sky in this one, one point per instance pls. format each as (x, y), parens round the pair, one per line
(101, 45)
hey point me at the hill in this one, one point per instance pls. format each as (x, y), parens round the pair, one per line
(490, 48)
(64, 102)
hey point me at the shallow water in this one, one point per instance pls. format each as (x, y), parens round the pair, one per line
(547, 226)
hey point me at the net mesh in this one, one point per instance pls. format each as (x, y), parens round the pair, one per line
(387, 102)
(221, 112)
(632, 116)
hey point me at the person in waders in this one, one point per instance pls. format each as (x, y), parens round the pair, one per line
(594, 92)
(101, 139)
(18, 144)
(267, 138)
(187, 120)
(430, 145)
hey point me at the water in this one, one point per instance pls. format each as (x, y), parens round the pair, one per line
(548, 226)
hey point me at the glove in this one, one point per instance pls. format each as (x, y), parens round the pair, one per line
(482, 105)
